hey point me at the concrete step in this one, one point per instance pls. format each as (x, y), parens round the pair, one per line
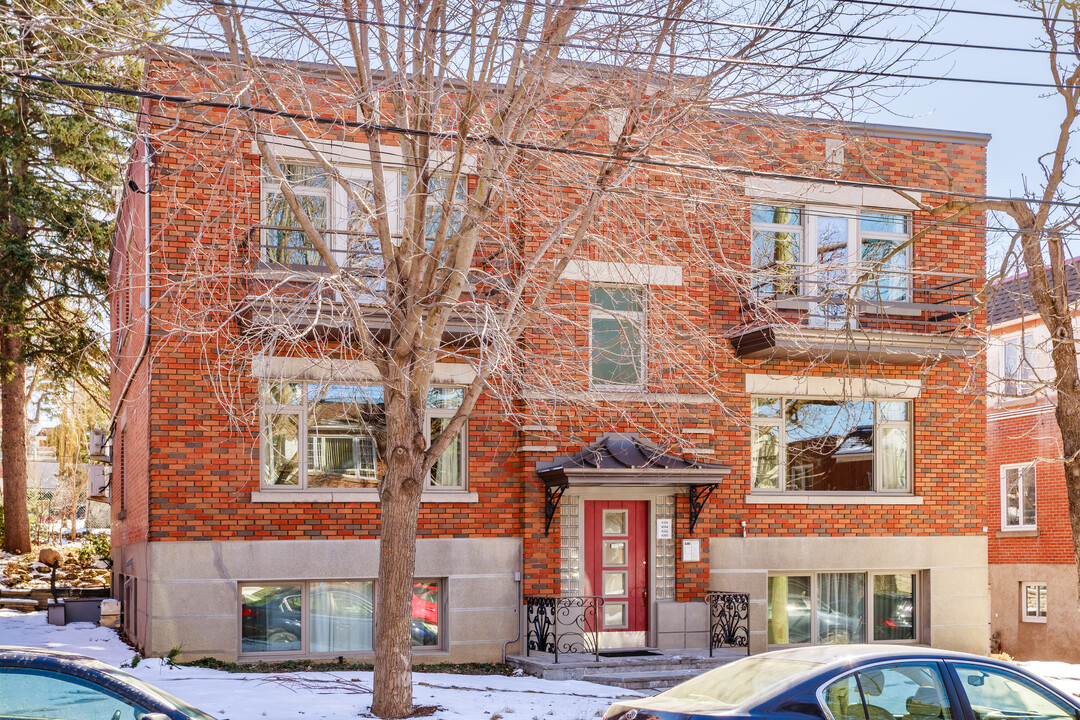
(642, 680)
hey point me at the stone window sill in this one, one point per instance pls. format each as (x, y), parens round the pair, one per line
(1018, 533)
(353, 496)
(784, 498)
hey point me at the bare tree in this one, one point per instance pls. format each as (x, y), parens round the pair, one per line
(505, 144)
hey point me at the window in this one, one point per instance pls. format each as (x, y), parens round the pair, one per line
(832, 607)
(835, 251)
(995, 692)
(31, 693)
(438, 185)
(1018, 497)
(327, 617)
(1017, 373)
(1033, 602)
(617, 323)
(775, 241)
(312, 188)
(886, 692)
(330, 435)
(811, 445)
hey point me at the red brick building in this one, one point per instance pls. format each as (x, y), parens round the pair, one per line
(832, 467)
(1032, 565)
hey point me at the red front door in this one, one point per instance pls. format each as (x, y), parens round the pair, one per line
(617, 567)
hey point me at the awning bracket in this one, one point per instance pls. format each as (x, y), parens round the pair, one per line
(552, 497)
(699, 496)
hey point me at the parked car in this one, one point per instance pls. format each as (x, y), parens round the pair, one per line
(49, 684)
(857, 682)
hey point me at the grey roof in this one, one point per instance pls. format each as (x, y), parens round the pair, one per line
(625, 452)
(1011, 299)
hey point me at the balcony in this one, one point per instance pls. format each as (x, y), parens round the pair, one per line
(852, 312)
(289, 288)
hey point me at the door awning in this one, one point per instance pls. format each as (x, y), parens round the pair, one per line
(617, 460)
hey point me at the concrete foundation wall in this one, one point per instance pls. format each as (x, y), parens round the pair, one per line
(1056, 639)
(193, 597)
(953, 604)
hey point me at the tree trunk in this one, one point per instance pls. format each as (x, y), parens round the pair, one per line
(399, 496)
(13, 442)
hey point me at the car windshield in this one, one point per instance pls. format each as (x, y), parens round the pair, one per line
(740, 681)
(164, 697)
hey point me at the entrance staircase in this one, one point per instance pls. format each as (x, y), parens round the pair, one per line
(647, 669)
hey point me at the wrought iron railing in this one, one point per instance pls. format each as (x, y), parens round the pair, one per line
(874, 298)
(729, 620)
(563, 624)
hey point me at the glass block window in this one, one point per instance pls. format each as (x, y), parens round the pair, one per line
(665, 552)
(570, 547)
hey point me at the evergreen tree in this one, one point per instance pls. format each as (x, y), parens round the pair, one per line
(61, 150)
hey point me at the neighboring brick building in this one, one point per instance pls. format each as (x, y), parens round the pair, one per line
(1033, 599)
(839, 481)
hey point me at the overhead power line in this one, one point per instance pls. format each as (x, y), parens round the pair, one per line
(742, 62)
(496, 142)
(646, 16)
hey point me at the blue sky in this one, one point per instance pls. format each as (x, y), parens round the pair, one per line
(1022, 121)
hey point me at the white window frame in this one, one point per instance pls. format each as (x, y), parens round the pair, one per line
(1020, 380)
(1021, 467)
(797, 278)
(300, 411)
(879, 426)
(853, 264)
(337, 206)
(1040, 599)
(639, 320)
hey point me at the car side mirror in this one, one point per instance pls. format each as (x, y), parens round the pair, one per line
(976, 680)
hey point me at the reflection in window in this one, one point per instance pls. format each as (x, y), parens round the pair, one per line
(894, 607)
(1018, 484)
(342, 616)
(789, 610)
(312, 189)
(29, 693)
(884, 255)
(995, 693)
(830, 445)
(425, 613)
(841, 607)
(774, 249)
(270, 618)
(343, 428)
(617, 324)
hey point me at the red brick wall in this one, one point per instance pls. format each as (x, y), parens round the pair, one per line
(203, 454)
(1022, 438)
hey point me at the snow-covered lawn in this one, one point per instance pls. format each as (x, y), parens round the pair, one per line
(319, 695)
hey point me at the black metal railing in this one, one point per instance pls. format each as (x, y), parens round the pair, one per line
(876, 298)
(729, 620)
(563, 624)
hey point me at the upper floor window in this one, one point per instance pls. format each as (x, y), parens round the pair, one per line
(331, 435)
(1018, 496)
(312, 189)
(1017, 373)
(812, 445)
(617, 335)
(823, 252)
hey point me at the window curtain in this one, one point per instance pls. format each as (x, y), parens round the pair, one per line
(841, 607)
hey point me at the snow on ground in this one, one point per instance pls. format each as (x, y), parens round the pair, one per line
(1064, 676)
(319, 695)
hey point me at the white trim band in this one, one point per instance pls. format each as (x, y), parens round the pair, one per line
(840, 388)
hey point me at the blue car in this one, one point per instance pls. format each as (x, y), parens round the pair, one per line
(857, 682)
(37, 684)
